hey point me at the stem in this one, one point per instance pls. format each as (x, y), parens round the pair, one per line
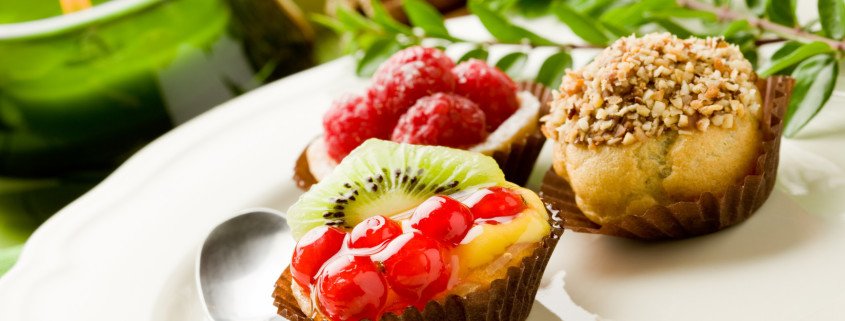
(566, 46)
(761, 42)
(725, 13)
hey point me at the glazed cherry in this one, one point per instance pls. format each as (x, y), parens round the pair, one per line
(373, 232)
(442, 218)
(312, 251)
(495, 202)
(351, 288)
(416, 266)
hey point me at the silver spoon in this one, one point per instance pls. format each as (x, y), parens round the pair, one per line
(238, 264)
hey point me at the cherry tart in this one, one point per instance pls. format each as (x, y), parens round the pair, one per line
(402, 228)
(443, 246)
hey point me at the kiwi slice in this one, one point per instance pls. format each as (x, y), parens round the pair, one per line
(386, 178)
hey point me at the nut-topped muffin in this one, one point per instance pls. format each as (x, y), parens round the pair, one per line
(654, 121)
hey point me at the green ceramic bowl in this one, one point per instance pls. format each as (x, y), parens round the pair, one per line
(81, 92)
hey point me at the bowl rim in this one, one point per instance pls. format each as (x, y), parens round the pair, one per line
(68, 22)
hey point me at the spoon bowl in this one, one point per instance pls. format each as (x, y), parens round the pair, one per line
(238, 263)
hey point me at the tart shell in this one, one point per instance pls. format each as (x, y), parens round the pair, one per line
(508, 299)
(516, 160)
(710, 213)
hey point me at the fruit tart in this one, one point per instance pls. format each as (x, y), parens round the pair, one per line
(664, 138)
(402, 231)
(419, 96)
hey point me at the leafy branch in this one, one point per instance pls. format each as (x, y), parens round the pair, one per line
(810, 53)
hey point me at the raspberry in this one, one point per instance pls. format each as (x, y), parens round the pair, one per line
(442, 119)
(488, 87)
(408, 75)
(351, 120)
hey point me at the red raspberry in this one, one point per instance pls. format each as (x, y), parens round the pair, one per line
(488, 87)
(410, 74)
(351, 120)
(442, 119)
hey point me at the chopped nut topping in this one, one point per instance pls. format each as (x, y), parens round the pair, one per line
(644, 87)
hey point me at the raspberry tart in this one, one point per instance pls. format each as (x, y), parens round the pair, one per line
(420, 96)
(410, 232)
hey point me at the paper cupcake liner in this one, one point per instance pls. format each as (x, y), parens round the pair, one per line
(302, 171)
(516, 160)
(686, 219)
(507, 299)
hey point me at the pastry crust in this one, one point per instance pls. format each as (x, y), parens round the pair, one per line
(515, 145)
(613, 181)
(687, 122)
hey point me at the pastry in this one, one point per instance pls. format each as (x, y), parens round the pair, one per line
(420, 96)
(408, 231)
(656, 124)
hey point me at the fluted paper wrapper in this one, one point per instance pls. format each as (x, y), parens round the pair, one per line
(508, 299)
(516, 160)
(687, 219)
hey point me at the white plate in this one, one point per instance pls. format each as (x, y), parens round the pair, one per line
(125, 250)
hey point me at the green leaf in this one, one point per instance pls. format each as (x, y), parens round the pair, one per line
(624, 16)
(781, 12)
(616, 30)
(477, 53)
(814, 82)
(499, 5)
(426, 17)
(584, 27)
(502, 29)
(673, 27)
(832, 17)
(353, 21)
(786, 49)
(386, 21)
(635, 14)
(534, 8)
(750, 54)
(553, 69)
(329, 22)
(512, 63)
(684, 13)
(735, 27)
(377, 53)
(758, 7)
(794, 57)
(593, 8)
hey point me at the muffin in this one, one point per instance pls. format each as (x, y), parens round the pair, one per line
(420, 96)
(656, 133)
(401, 231)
